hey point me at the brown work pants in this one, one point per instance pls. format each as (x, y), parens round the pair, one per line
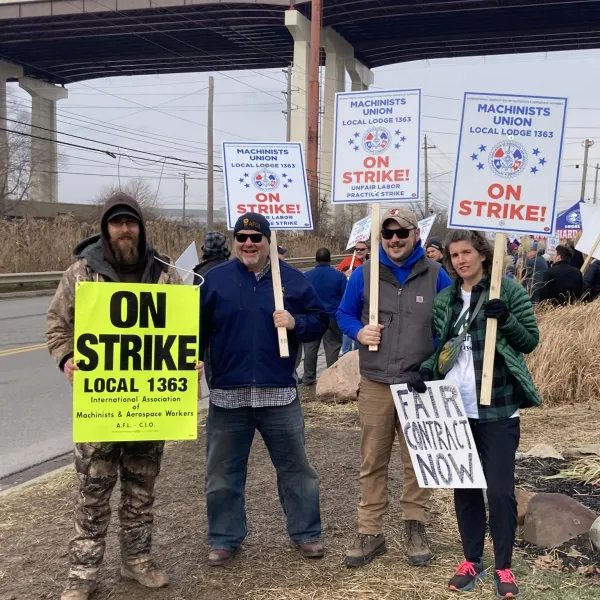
(379, 424)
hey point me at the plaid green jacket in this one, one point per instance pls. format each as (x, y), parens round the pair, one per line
(512, 386)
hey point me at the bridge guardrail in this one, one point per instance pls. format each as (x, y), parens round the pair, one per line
(54, 276)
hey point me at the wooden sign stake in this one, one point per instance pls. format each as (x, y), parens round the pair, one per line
(282, 336)
(352, 261)
(590, 256)
(487, 376)
(374, 291)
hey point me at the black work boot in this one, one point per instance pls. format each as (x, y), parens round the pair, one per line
(364, 549)
(417, 546)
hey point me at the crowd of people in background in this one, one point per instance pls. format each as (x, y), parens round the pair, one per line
(553, 274)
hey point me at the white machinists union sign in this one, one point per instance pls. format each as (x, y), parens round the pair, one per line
(267, 178)
(376, 146)
(508, 163)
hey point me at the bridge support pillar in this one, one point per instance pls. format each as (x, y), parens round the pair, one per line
(44, 154)
(299, 27)
(360, 76)
(7, 71)
(337, 52)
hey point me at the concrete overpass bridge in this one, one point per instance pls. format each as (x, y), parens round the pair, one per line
(47, 44)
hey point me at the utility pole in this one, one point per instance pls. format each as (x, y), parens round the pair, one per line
(210, 198)
(425, 148)
(596, 183)
(288, 99)
(586, 145)
(184, 192)
(312, 153)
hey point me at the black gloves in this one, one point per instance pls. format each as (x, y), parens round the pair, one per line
(416, 381)
(496, 309)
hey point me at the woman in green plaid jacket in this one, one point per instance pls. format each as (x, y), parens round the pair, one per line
(460, 313)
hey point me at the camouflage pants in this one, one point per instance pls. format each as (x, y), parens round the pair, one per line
(98, 465)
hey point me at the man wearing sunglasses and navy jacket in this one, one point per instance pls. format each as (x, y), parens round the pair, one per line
(408, 283)
(253, 388)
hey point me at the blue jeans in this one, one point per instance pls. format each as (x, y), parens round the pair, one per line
(229, 435)
(348, 344)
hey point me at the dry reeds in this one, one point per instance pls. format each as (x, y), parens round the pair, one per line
(566, 364)
(35, 245)
(585, 469)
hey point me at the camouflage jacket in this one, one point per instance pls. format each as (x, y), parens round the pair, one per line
(90, 266)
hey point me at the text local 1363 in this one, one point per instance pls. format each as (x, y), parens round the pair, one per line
(133, 352)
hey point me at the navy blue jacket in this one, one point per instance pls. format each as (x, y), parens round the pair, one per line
(236, 324)
(330, 285)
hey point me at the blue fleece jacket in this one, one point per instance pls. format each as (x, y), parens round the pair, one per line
(236, 324)
(350, 310)
(330, 285)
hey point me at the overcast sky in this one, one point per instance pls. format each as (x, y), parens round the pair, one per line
(166, 115)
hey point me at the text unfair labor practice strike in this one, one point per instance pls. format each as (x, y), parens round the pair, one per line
(508, 163)
(136, 347)
(268, 179)
(376, 146)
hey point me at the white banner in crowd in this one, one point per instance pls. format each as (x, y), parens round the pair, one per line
(590, 223)
(267, 178)
(508, 163)
(377, 146)
(425, 226)
(186, 262)
(439, 439)
(551, 242)
(361, 232)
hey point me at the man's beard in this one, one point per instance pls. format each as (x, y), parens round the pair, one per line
(125, 250)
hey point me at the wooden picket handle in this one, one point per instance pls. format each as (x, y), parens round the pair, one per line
(284, 350)
(374, 290)
(491, 328)
(590, 256)
(352, 261)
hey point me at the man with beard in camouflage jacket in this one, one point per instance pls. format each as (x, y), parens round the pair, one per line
(120, 253)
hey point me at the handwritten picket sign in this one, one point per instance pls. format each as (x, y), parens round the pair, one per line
(438, 435)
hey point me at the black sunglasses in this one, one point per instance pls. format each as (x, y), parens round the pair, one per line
(255, 238)
(401, 234)
(360, 249)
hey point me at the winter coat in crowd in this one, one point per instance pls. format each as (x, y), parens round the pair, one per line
(564, 285)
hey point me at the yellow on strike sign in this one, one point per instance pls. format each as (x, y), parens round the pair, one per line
(136, 346)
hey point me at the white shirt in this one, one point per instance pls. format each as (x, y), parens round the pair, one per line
(463, 371)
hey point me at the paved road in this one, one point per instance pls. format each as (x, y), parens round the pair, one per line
(35, 398)
(35, 408)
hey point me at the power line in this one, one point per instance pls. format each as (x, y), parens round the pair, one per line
(114, 130)
(110, 153)
(194, 162)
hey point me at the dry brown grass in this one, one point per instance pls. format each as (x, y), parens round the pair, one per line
(47, 245)
(566, 364)
(36, 523)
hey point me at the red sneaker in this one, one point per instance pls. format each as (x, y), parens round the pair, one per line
(505, 584)
(466, 576)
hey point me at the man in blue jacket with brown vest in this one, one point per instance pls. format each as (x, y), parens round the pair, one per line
(253, 388)
(408, 283)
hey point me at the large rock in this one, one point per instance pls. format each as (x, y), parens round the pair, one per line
(553, 519)
(339, 383)
(595, 534)
(523, 499)
(544, 451)
(583, 450)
